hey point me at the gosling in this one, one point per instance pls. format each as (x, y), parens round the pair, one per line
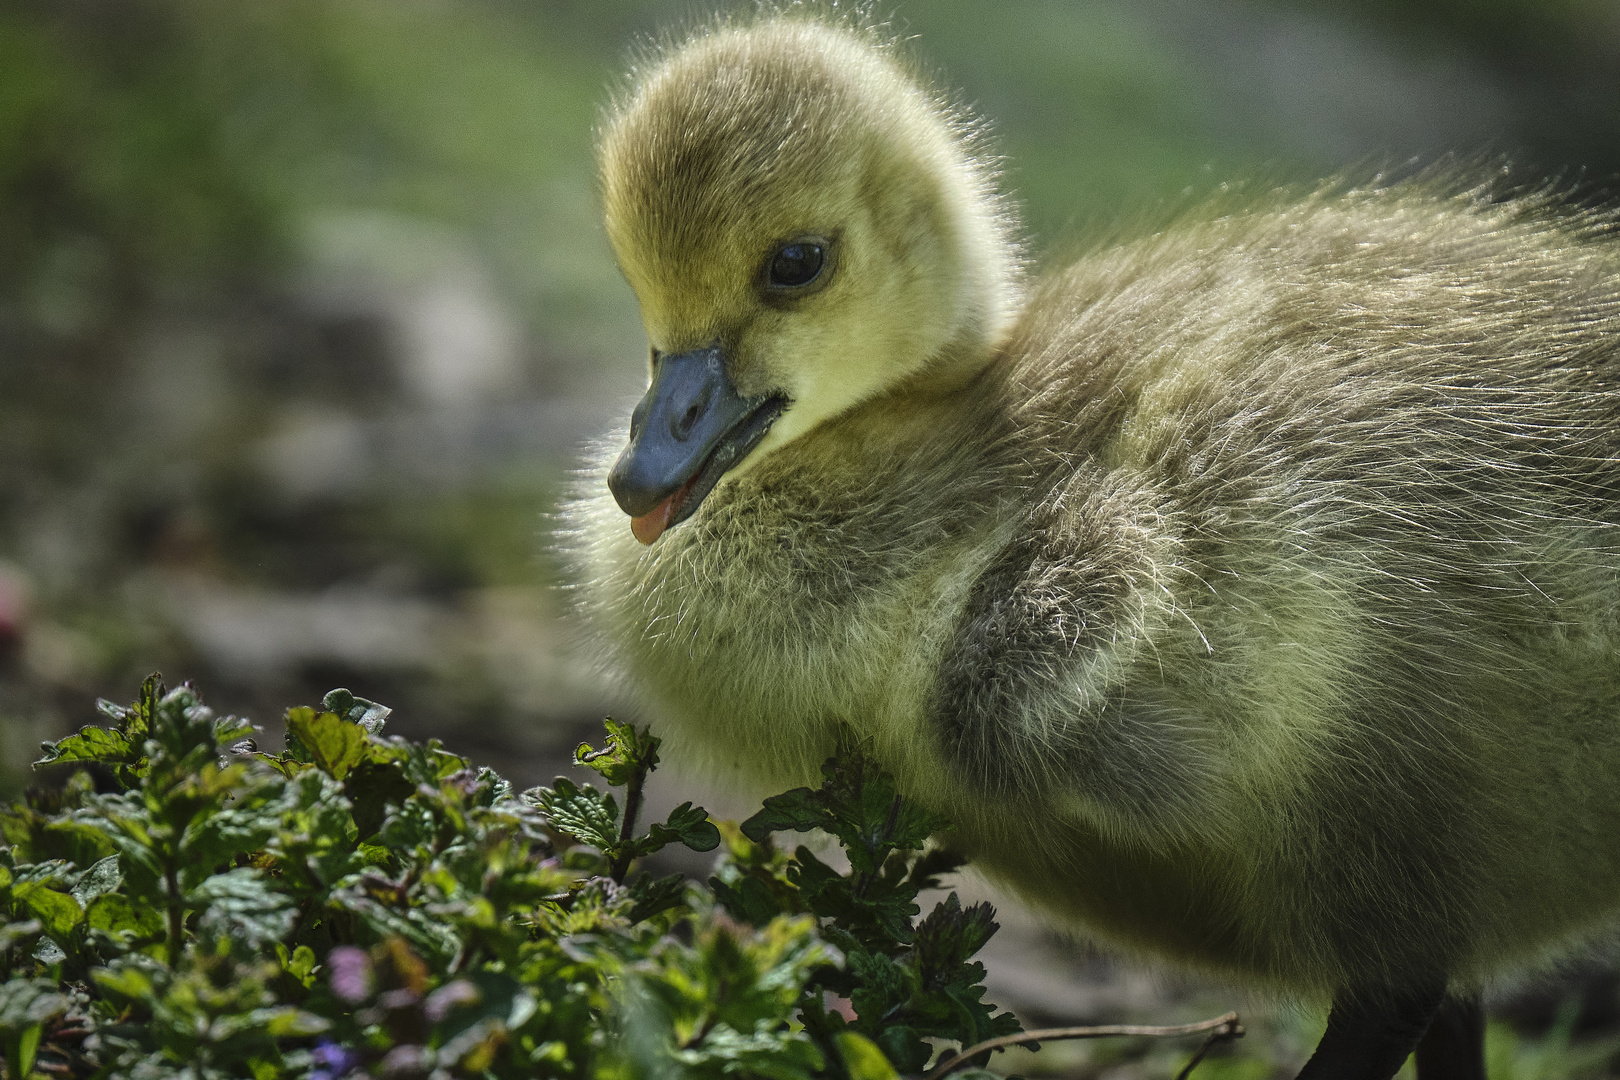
(1247, 595)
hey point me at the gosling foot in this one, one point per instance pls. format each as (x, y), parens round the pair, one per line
(1369, 1037)
(1454, 1046)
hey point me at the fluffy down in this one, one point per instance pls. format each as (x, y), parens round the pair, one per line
(1268, 565)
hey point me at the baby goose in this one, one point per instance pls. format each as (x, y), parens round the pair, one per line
(1248, 594)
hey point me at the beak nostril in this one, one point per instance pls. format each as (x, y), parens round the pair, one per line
(681, 426)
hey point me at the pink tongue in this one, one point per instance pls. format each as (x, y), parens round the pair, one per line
(651, 525)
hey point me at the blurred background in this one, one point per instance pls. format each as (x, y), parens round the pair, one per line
(305, 308)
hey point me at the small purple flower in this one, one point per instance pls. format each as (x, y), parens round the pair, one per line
(403, 998)
(408, 1060)
(332, 1061)
(442, 1001)
(349, 972)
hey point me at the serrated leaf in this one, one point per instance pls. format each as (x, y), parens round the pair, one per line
(357, 710)
(926, 871)
(883, 986)
(687, 824)
(100, 879)
(625, 751)
(826, 892)
(433, 936)
(90, 744)
(588, 815)
(749, 901)
(799, 810)
(242, 904)
(332, 743)
(653, 896)
(867, 813)
(903, 1046)
(949, 936)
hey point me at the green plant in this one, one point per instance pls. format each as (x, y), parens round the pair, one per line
(183, 904)
(903, 981)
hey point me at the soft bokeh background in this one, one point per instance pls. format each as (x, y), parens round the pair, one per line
(305, 309)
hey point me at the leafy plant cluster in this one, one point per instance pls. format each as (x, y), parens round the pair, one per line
(183, 904)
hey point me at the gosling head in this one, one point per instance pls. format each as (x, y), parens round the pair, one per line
(805, 228)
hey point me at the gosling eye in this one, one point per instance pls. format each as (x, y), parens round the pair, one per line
(798, 266)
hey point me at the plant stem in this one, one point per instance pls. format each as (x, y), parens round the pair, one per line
(875, 845)
(177, 914)
(627, 828)
(1222, 1027)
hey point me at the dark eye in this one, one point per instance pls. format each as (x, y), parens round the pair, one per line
(796, 264)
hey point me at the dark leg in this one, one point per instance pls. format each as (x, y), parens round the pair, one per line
(1369, 1038)
(1454, 1047)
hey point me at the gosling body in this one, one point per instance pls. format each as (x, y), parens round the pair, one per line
(1247, 594)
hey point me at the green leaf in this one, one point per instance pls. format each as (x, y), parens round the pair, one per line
(375, 855)
(883, 986)
(371, 788)
(903, 1046)
(750, 901)
(799, 810)
(240, 903)
(300, 963)
(588, 815)
(27, 1002)
(100, 879)
(125, 921)
(655, 896)
(862, 1059)
(57, 912)
(626, 751)
(36, 837)
(687, 824)
(21, 1048)
(356, 710)
(869, 817)
(125, 980)
(291, 1023)
(926, 871)
(124, 745)
(334, 744)
(90, 744)
(949, 936)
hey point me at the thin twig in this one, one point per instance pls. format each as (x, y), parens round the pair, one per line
(1219, 1035)
(1222, 1027)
